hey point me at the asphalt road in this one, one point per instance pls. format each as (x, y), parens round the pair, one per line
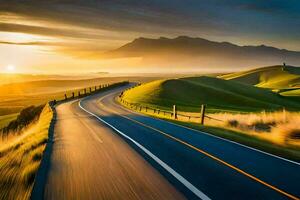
(198, 165)
(90, 161)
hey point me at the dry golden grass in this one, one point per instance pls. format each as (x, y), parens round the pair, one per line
(281, 127)
(20, 157)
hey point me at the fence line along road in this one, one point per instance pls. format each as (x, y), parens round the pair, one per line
(84, 92)
(175, 114)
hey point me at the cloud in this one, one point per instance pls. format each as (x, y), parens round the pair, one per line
(126, 16)
(39, 43)
(118, 20)
(52, 32)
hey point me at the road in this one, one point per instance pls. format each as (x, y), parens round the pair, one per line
(89, 161)
(198, 165)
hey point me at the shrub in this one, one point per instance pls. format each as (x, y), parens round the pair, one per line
(260, 126)
(37, 156)
(232, 123)
(294, 134)
(26, 116)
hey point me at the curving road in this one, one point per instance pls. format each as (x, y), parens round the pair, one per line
(101, 149)
(90, 161)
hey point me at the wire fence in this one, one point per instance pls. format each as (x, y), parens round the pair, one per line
(79, 93)
(175, 114)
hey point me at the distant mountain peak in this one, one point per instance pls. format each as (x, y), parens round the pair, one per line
(196, 51)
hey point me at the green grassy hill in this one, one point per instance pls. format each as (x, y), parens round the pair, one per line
(220, 95)
(274, 77)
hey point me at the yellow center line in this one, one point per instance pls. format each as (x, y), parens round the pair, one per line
(203, 152)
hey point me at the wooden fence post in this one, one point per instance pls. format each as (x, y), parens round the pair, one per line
(202, 113)
(90, 90)
(66, 97)
(284, 114)
(174, 112)
(84, 91)
(73, 95)
(78, 93)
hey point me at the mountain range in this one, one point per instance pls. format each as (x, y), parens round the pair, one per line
(195, 53)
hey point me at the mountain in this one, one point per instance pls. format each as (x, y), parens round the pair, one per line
(188, 52)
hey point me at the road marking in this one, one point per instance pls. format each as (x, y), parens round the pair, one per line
(180, 178)
(209, 134)
(205, 153)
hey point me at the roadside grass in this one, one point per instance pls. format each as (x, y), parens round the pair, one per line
(281, 127)
(290, 150)
(20, 157)
(5, 119)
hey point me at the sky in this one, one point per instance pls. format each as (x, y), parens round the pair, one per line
(67, 36)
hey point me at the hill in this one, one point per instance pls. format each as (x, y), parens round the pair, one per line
(220, 95)
(283, 79)
(197, 52)
(16, 96)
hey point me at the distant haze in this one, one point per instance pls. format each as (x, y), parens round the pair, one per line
(197, 54)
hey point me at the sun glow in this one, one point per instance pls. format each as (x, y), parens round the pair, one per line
(10, 68)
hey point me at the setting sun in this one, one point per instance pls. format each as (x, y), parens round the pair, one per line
(10, 68)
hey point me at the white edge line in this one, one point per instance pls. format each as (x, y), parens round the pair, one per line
(209, 134)
(181, 179)
(248, 147)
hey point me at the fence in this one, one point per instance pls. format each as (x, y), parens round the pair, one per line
(86, 91)
(174, 114)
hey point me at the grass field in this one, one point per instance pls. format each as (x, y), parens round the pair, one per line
(16, 96)
(291, 93)
(219, 95)
(20, 157)
(277, 78)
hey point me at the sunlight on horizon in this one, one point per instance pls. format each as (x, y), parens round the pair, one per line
(10, 69)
